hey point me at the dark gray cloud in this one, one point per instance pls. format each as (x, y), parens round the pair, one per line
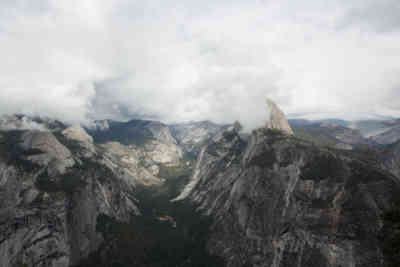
(79, 60)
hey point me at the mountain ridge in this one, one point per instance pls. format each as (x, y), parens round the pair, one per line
(275, 197)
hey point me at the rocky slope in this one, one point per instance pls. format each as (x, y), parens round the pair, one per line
(69, 198)
(369, 128)
(331, 134)
(132, 164)
(53, 187)
(139, 150)
(390, 159)
(280, 201)
(351, 133)
(192, 136)
(388, 135)
(152, 137)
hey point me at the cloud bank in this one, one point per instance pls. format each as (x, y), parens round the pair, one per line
(79, 60)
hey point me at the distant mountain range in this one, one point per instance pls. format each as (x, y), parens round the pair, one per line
(347, 116)
(344, 133)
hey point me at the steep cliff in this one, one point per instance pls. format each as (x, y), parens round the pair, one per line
(151, 137)
(280, 201)
(274, 200)
(390, 159)
(53, 188)
(132, 164)
(192, 136)
(277, 119)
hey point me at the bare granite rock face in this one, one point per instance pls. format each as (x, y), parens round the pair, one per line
(132, 164)
(137, 149)
(277, 119)
(46, 150)
(78, 134)
(168, 154)
(192, 136)
(152, 137)
(275, 200)
(161, 132)
(278, 201)
(51, 197)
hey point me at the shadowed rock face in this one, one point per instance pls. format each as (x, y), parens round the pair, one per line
(50, 197)
(391, 159)
(279, 201)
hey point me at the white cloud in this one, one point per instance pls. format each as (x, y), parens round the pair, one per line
(186, 60)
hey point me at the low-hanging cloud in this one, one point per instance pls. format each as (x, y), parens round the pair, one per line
(79, 60)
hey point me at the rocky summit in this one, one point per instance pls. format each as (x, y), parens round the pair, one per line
(277, 119)
(144, 193)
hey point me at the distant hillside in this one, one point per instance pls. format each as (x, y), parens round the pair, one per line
(330, 133)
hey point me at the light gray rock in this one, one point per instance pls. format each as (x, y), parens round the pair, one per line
(343, 146)
(46, 151)
(132, 163)
(168, 154)
(192, 136)
(78, 134)
(277, 119)
(161, 132)
(152, 137)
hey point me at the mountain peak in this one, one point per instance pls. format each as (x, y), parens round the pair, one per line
(277, 119)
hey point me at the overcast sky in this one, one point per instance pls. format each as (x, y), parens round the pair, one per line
(190, 60)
